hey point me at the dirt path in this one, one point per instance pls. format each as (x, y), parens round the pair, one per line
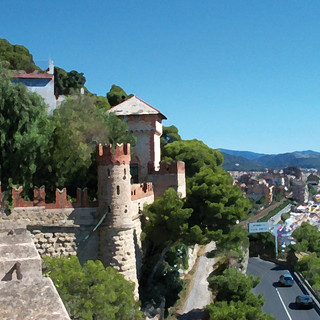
(200, 295)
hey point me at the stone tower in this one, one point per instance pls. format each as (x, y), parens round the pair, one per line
(117, 247)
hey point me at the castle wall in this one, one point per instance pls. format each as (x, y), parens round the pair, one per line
(170, 175)
(58, 232)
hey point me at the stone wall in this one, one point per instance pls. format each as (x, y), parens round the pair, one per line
(24, 293)
(58, 232)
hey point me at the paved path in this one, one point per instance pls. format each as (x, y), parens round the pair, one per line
(200, 295)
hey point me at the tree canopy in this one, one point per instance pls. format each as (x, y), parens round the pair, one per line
(24, 133)
(66, 83)
(70, 154)
(169, 134)
(92, 292)
(307, 237)
(116, 95)
(233, 297)
(194, 153)
(217, 203)
(18, 56)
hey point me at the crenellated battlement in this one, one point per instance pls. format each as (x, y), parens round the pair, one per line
(167, 168)
(140, 191)
(106, 154)
(40, 196)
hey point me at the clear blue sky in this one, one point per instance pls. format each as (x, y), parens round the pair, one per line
(240, 75)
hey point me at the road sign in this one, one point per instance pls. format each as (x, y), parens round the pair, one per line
(258, 227)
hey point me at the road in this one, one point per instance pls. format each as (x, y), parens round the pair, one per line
(276, 218)
(279, 300)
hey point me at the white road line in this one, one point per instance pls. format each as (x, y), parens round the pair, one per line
(283, 305)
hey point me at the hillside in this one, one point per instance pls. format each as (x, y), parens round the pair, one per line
(246, 161)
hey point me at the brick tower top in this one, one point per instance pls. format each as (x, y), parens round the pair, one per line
(107, 155)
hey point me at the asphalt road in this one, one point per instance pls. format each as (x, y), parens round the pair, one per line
(280, 301)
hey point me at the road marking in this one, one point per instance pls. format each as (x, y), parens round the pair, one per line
(283, 305)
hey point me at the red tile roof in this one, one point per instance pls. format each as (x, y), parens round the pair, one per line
(33, 76)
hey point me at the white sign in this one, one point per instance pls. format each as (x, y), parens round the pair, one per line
(258, 227)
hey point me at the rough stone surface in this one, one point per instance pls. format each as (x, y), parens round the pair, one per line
(24, 293)
(38, 300)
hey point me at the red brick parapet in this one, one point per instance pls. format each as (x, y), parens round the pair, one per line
(106, 154)
(140, 191)
(40, 196)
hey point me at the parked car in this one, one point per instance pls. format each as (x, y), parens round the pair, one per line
(304, 301)
(286, 280)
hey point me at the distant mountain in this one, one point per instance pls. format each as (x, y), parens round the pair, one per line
(245, 154)
(245, 160)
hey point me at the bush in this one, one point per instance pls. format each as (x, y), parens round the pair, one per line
(92, 291)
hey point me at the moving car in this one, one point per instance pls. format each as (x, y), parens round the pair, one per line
(286, 280)
(304, 301)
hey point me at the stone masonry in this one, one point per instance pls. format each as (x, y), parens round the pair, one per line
(24, 293)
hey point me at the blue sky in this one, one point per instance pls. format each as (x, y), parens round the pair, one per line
(240, 75)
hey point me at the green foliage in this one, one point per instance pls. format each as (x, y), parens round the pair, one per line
(18, 56)
(233, 297)
(262, 243)
(164, 238)
(236, 240)
(312, 190)
(102, 103)
(169, 135)
(285, 216)
(24, 133)
(217, 203)
(307, 237)
(166, 220)
(66, 83)
(70, 154)
(116, 95)
(194, 153)
(274, 211)
(309, 266)
(232, 285)
(92, 292)
(223, 310)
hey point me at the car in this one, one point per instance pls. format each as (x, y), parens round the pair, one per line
(286, 280)
(304, 301)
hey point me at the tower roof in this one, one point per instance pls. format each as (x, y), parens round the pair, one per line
(134, 106)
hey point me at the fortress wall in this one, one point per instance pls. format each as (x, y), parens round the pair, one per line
(58, 232)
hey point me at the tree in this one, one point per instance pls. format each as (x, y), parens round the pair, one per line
(92, 291)
(233, 297)
(164, 232)
(222, 310)
(169, 135)
(18, 56)
(66, 83)
(309, 266)
(24, 133)
(70, 154)
(216, 202)
(308, 238)
(116, 95)
(194, 153)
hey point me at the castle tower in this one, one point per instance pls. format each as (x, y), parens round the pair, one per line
(117, 245)
(145, 122)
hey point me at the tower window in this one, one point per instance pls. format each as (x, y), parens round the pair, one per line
(118, 190)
